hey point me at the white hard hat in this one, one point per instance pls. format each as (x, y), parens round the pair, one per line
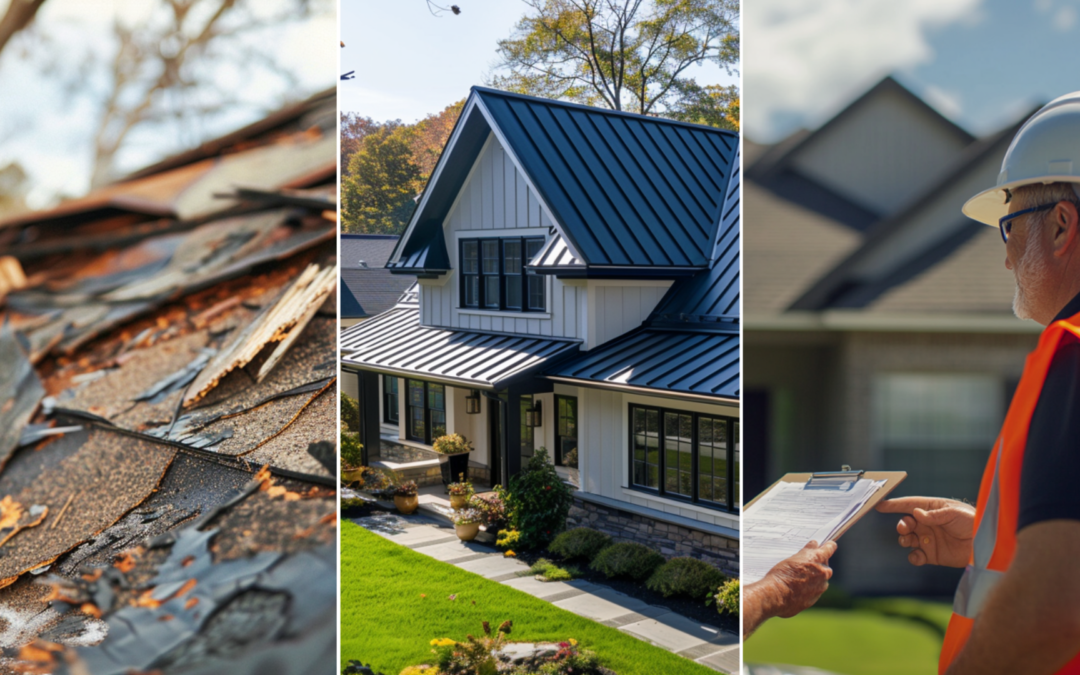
(1045, 150)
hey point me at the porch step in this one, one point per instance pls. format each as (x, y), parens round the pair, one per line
(424, 472)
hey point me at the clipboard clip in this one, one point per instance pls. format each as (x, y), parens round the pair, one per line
(846, 476)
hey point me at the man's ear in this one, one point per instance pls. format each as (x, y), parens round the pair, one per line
(1066, 228)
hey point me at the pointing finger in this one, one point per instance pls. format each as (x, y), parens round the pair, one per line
(901, 504)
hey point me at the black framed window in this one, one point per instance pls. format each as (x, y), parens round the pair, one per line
(528, 438)
(493, 274)
(566, 442)
(425, 410)
(685, 455)
(390, 399)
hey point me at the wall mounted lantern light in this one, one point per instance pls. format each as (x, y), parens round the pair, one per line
(533, 416)
(472, 402)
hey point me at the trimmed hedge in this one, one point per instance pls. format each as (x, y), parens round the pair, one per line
(580, 542)
(628, 559)
(689, 577)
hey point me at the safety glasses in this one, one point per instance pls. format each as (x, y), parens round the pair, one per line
(1005, 222)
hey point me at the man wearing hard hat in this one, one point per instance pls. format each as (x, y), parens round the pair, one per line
(1017, 608)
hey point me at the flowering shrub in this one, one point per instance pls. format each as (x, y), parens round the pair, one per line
(727, 598)
(451, 444)
(538, 501)
(464, 488)
(508, 539)
(467, 517)
(492, 506)
(475, 656)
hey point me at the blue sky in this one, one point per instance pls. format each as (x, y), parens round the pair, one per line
(47, 128)
(983, 63)
(410, 64)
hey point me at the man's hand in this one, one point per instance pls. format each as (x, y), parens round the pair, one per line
(790, 587)
(941, 531)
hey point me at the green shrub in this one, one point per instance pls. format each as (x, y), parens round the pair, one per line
(538, 501)
(352, 451)
(580, 542)
(553, 572)
(350, 413)
(688, 577)
(634, 561)
(727, 598)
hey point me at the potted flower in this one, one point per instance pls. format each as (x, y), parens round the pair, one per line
(467, 523)
(453, 452)
(352, 456)
(460, 494)
(405, 497)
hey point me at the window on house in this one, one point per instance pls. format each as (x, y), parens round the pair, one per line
(939, 427)
(493, 274)
(426, 411)
(684, 455)
(528, 439)
(390, 399)
(566, 445)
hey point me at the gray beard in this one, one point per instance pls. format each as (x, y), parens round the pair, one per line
(1030, 273)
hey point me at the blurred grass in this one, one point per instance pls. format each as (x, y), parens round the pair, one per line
(881, 636)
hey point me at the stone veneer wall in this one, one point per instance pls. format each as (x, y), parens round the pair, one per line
(670, 540)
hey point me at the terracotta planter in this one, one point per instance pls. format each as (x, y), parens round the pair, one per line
(458, 502)
(407, 504)
(351, 475)
(467, 532)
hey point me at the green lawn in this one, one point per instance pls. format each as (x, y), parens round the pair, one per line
(889, 636)
(394, 601)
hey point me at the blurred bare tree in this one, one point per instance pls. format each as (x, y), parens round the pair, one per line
(168, 70)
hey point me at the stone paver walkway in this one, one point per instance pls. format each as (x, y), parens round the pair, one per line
(707, 645)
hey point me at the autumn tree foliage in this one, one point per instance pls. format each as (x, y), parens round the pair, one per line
(389, 168)
(632, 55)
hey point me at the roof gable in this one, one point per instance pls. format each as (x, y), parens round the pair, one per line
(867, 162)
(624, 190)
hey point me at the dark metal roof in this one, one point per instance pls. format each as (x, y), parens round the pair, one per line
(428, 257)
(625, 190)
(395, 343)
(712, 295)
(695, 363)
(555, 255)
(689, 345)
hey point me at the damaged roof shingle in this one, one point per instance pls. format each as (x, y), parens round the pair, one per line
(172, 336)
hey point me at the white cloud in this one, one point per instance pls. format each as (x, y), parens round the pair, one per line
(801, 60)
(1065, 19)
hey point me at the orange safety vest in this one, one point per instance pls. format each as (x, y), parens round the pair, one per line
(999, 500)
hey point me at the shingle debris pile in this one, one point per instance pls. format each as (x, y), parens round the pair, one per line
(168, 410)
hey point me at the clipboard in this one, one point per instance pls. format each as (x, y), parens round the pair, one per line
(891, 478)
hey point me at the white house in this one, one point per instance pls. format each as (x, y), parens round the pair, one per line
(578, 289)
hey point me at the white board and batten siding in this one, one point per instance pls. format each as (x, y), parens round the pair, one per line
(496, 201)
(604, 450)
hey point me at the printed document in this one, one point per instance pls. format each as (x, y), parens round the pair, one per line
(790, 515)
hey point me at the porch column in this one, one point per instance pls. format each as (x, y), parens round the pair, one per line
(369, 414)
(512, 433)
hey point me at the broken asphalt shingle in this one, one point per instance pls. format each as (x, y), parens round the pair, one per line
(20, 391)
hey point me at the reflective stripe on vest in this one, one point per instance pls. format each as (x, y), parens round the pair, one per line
(999, 501)
(978, 579)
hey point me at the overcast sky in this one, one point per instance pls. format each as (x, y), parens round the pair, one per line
(982, 63)
(410, 64)
(48, 130)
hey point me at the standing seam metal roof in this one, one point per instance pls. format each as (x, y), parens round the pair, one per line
(396, 343)
(627, 189)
